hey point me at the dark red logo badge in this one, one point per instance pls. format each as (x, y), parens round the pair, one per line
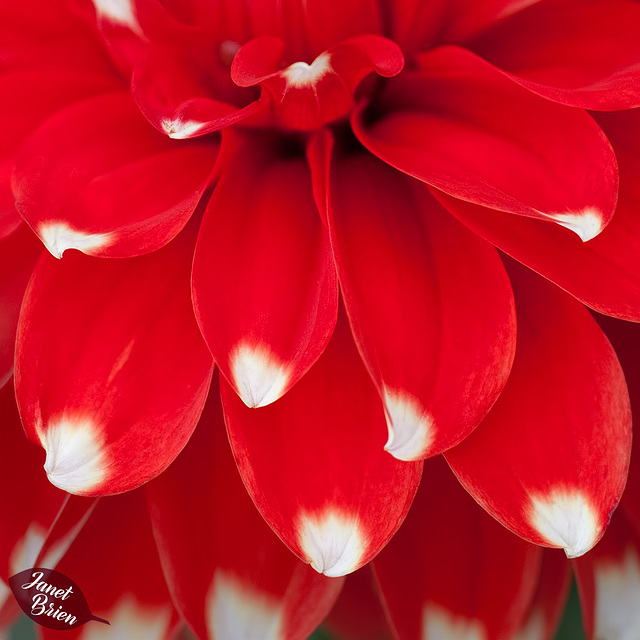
(51, 599)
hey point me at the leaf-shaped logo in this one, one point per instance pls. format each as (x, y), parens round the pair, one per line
(51, 599)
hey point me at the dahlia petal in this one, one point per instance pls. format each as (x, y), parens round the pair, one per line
(413, 301)
(549, 600)
(269, 319)
(18, 256)
(334, 509)
(235, 581)
(123, 583)
(28, 503)
(556, 478)
(446, 536)
(358, 612)
(111, 370)
(593, 65)
(132, 192)
(609, 583)
(461, 126)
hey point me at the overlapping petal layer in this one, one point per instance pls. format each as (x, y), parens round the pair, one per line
(461, 126)
(430, 305)
(230, 577)
(550, 461)
(111, 370)
(272, 313)
(314, 463)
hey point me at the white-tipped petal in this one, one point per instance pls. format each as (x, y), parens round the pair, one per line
(301, 74)
(566, 519)
(237, 611)
(59, 236)
(440, 624)
(411, 429)
(118, 11)
(179, 129)
(586, 225)
(617, 602)
(332, 542)
(76, 460)
(259, 377)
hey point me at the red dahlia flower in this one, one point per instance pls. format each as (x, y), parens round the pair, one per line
(380, 221)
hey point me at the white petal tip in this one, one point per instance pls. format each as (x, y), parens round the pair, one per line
(119, 12)
(617, 583)
(586, 225)
(411, 428)
(179, 129)
(567, 520)
(236, 609)
(259, 377)
(75, 459)
(332, 542)
(438, 623)
(57, 237)
(301, 74)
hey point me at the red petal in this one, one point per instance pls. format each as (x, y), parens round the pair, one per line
(111, 370)
(609, 583)
(463, 127)
(96, 177)
(358, 613)
(18, 255)
(28, 503)
(595, 64)
(114, 562)
(549, 599)
(430, 305)
(452, 571)
(272, 314)
(314, 464)
(550, 461)
(244, 576)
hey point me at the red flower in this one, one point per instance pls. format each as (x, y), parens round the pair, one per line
(324, 210)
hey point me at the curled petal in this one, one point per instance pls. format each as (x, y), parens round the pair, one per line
(461, 126)
(452, 571)
(97, 178)
(111, 370)
(234, 580)
(550, 460)
(314, 464)
(414, 282)
(264, 284)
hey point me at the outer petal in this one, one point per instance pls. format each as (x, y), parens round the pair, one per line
(115, 563)
(18, 256)
(358, 613)
(595, 64)
(264, 284)
(96, 177)
(463, 127)
(28, 503)
(430, 305)
(550, 461)
(549, 600)
(609, 584)
(452, 571)
(111, 370)
(250, 584)
(314, 465)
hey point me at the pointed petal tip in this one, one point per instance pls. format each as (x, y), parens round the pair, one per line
(75, 459)
(411, 428)
(259, 377)
(332, 542)
(179, 129)
(120, 12)
(566, 519)
(586, 224)
(57, 237)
